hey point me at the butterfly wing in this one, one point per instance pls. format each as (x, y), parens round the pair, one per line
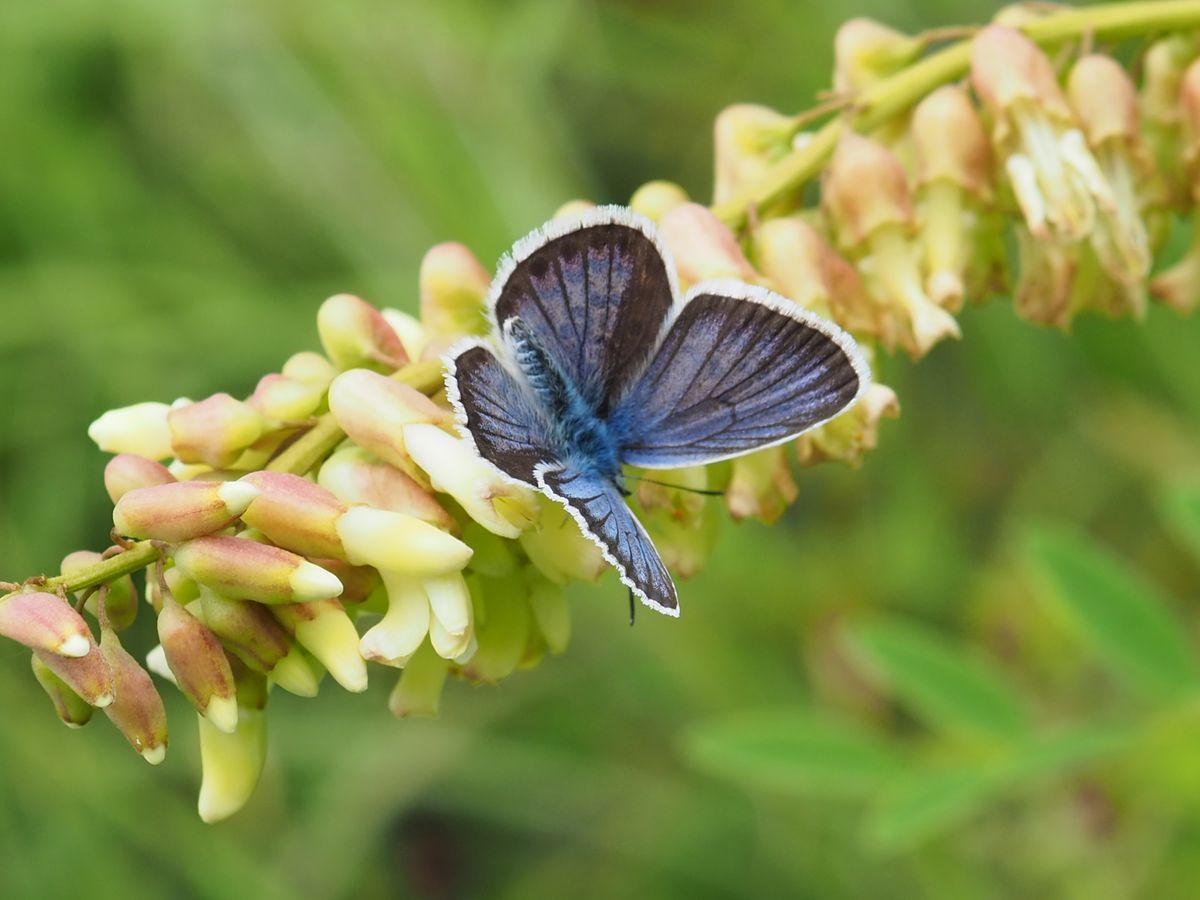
(595, 291)
(603, 515)
(739, 369)
(497, 412)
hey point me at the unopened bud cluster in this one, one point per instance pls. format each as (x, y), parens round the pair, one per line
(395, 545)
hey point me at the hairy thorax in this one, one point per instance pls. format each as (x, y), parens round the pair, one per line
(581, 437)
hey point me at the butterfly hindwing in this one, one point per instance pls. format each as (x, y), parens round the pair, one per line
(603, 515)
(498, 413)
(595, 293)
(739, 369)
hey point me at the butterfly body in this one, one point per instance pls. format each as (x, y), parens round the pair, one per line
(597, 363)
(574, 428)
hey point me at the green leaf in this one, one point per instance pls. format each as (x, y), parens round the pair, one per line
(793, 752)
(946, 685)
(1124, 617)
(930, 802)
(1179, 504)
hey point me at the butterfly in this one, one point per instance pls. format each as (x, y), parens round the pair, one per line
(596, 363)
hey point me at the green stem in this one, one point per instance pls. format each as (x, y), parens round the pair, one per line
(895, 95)
(301, 457)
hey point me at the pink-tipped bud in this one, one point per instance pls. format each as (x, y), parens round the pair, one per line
(247, 570)
(181, 510)
(703, 246)
(248, 629)
(950, 142)
(373, 410)
(1008, 68)
(138, 710)
(283, 399)
(791, 253)
(140, 429)
(88, 676)
(44, 621)
(865, 189)
(309, 368)
(655, 199)
(199, 665)
(454, 468)
(801, 265)
(399, 543)
(126, 472)
(324, 630)
(295, 514)
(453, 285)
(1103, 97)
(354, 334)
(356, 476)
(866, 51)
(214, 431)
(71, 709)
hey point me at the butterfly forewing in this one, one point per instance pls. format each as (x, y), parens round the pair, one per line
(739, 369)
(595, 297)
(500, 416)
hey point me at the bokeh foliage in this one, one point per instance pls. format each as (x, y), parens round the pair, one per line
(922, 704)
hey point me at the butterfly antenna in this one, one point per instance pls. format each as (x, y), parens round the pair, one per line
(678, 487)
(632, 608)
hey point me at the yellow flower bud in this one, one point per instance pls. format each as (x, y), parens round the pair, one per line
(762, 486)
(454, 468)
(71, 709)
(214, 431)
(324, 630)
(866, 51)
(453, 286)
(230, 763)
(354, 335)
(419, 690)
(140, 429)
(748, 139)
(655, 199)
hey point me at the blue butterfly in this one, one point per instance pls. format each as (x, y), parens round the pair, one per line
(598, 364)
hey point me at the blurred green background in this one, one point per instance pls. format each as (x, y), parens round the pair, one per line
(875, 698)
